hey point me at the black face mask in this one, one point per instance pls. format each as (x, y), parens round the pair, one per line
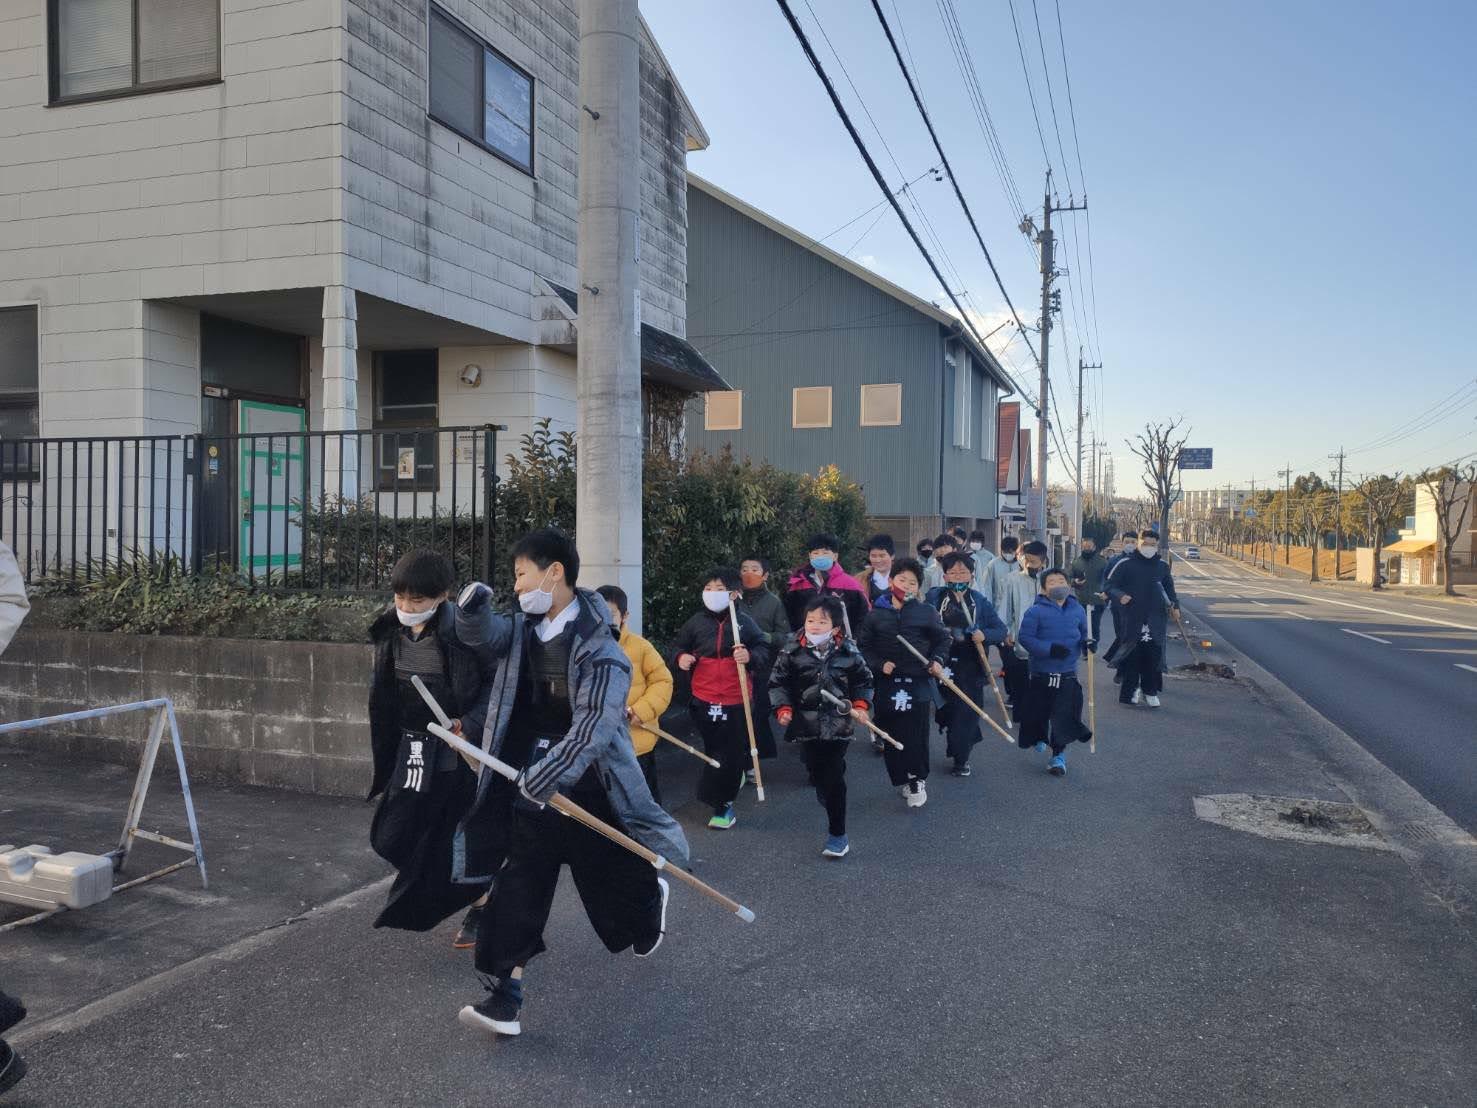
(926, 553)
(1034, 572)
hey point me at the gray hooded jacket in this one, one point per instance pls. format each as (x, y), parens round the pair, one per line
(599, 678)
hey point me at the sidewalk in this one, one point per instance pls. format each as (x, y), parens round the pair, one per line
(1021, 939)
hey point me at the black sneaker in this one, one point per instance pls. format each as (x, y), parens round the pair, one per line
(961, 769)
(12, 1066)
(466, 934)
(647, 949)
(497, 1013)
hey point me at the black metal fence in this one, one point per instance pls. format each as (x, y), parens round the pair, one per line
(288, 509)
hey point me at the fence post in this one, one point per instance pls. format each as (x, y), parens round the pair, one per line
(489, 501)
(197, 501)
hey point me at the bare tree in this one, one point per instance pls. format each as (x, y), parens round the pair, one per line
(1159, 446)
(1450, 487)
(1385, 499)
(1318, 512)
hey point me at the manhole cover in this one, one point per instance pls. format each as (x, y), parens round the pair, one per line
(1320, 822)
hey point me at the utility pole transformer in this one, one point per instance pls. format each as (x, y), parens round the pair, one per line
(608, 483)
(1047, 241)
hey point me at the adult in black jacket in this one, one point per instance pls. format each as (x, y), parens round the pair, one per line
(821, 658)
(905, 689)
(425, 787)
(1141, 587)
(1130, 544)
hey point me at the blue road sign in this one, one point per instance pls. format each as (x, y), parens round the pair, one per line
(1195, 457)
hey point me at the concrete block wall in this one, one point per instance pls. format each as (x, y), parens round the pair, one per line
(289, 715)
(229, 187)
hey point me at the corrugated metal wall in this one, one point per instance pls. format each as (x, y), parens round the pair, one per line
(771, 316)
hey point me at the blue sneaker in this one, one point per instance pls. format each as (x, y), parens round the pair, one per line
(1041, 748)
(836, 847)
(1057, 767)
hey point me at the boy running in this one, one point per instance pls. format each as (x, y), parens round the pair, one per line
(933, 576)
(905, 691)
(880, 552)
(1017, 593)
(558, 712)
(1142, 590)
(822, 658)
(1054, 633)
(823, 576)
(766, 610)
(971, 620)
(704, 647)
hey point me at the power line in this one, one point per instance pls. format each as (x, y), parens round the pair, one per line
(1051, 98)
(948, 169)
(1031, 92)
(861, 147)
(1082, 176)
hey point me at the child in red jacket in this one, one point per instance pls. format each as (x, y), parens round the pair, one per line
(705, 648)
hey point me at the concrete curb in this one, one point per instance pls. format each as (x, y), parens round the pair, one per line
(1442, 854)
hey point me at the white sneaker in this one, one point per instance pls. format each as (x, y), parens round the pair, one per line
(916, 795)
(1152, 701)
(1138, 696)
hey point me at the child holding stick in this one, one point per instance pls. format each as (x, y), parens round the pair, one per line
(821, 659)
(905, 692)
(705, 648)
(973, 625)
(1054, 632)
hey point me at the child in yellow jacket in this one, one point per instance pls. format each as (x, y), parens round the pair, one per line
(651, 686)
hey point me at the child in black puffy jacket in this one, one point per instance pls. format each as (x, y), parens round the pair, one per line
(821, 657)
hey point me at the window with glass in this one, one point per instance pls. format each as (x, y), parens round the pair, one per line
(20, 370)
(480, 94)
(406, 414)
(105, 48)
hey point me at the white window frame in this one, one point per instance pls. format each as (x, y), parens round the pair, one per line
(989, 402)
(862, 413)
(708, 421)
(795, 423)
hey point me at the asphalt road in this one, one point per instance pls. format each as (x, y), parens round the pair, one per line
(1396, 673)
(1022, 939)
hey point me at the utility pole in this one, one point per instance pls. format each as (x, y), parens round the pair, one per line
(1286, 475)
(608, 356)
(1081, 366)
(1338, 519)
(1254, 543)
(1047, 241)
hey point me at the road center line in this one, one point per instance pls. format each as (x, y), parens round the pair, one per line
(1362, 635)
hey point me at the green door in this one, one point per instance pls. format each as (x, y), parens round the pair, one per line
(272, 475)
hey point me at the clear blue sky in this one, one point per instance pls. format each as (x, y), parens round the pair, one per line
(1283, 235)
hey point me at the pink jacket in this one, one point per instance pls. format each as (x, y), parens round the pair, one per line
(837, 580)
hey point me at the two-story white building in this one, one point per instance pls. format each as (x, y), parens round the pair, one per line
(245, 216)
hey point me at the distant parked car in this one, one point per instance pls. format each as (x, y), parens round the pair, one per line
(1192, 553)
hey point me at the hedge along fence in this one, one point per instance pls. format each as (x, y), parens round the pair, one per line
(699, 511)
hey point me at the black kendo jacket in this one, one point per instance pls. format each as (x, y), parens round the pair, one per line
(800, 673)
(468, 672)
(916, 622)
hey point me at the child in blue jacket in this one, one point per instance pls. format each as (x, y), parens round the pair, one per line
(1054, 633)
(971, 619)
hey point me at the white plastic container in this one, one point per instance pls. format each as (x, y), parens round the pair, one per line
(37, 878)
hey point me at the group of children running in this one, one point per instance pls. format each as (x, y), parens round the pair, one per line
(567, 694)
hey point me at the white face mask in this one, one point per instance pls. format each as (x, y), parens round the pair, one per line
(818, 638)
(537, 602)
(715, 600)
(1148, 550)
(1008, 557)
(1129, 545)
(976, 546)
(414, 619)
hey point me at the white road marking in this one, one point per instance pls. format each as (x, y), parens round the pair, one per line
(1362, 635)
(1299, 615)
(1463, 665)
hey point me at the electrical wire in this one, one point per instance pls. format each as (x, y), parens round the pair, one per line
(948, 169)
(856, 138)
(1030, 91)
(1051, 98)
